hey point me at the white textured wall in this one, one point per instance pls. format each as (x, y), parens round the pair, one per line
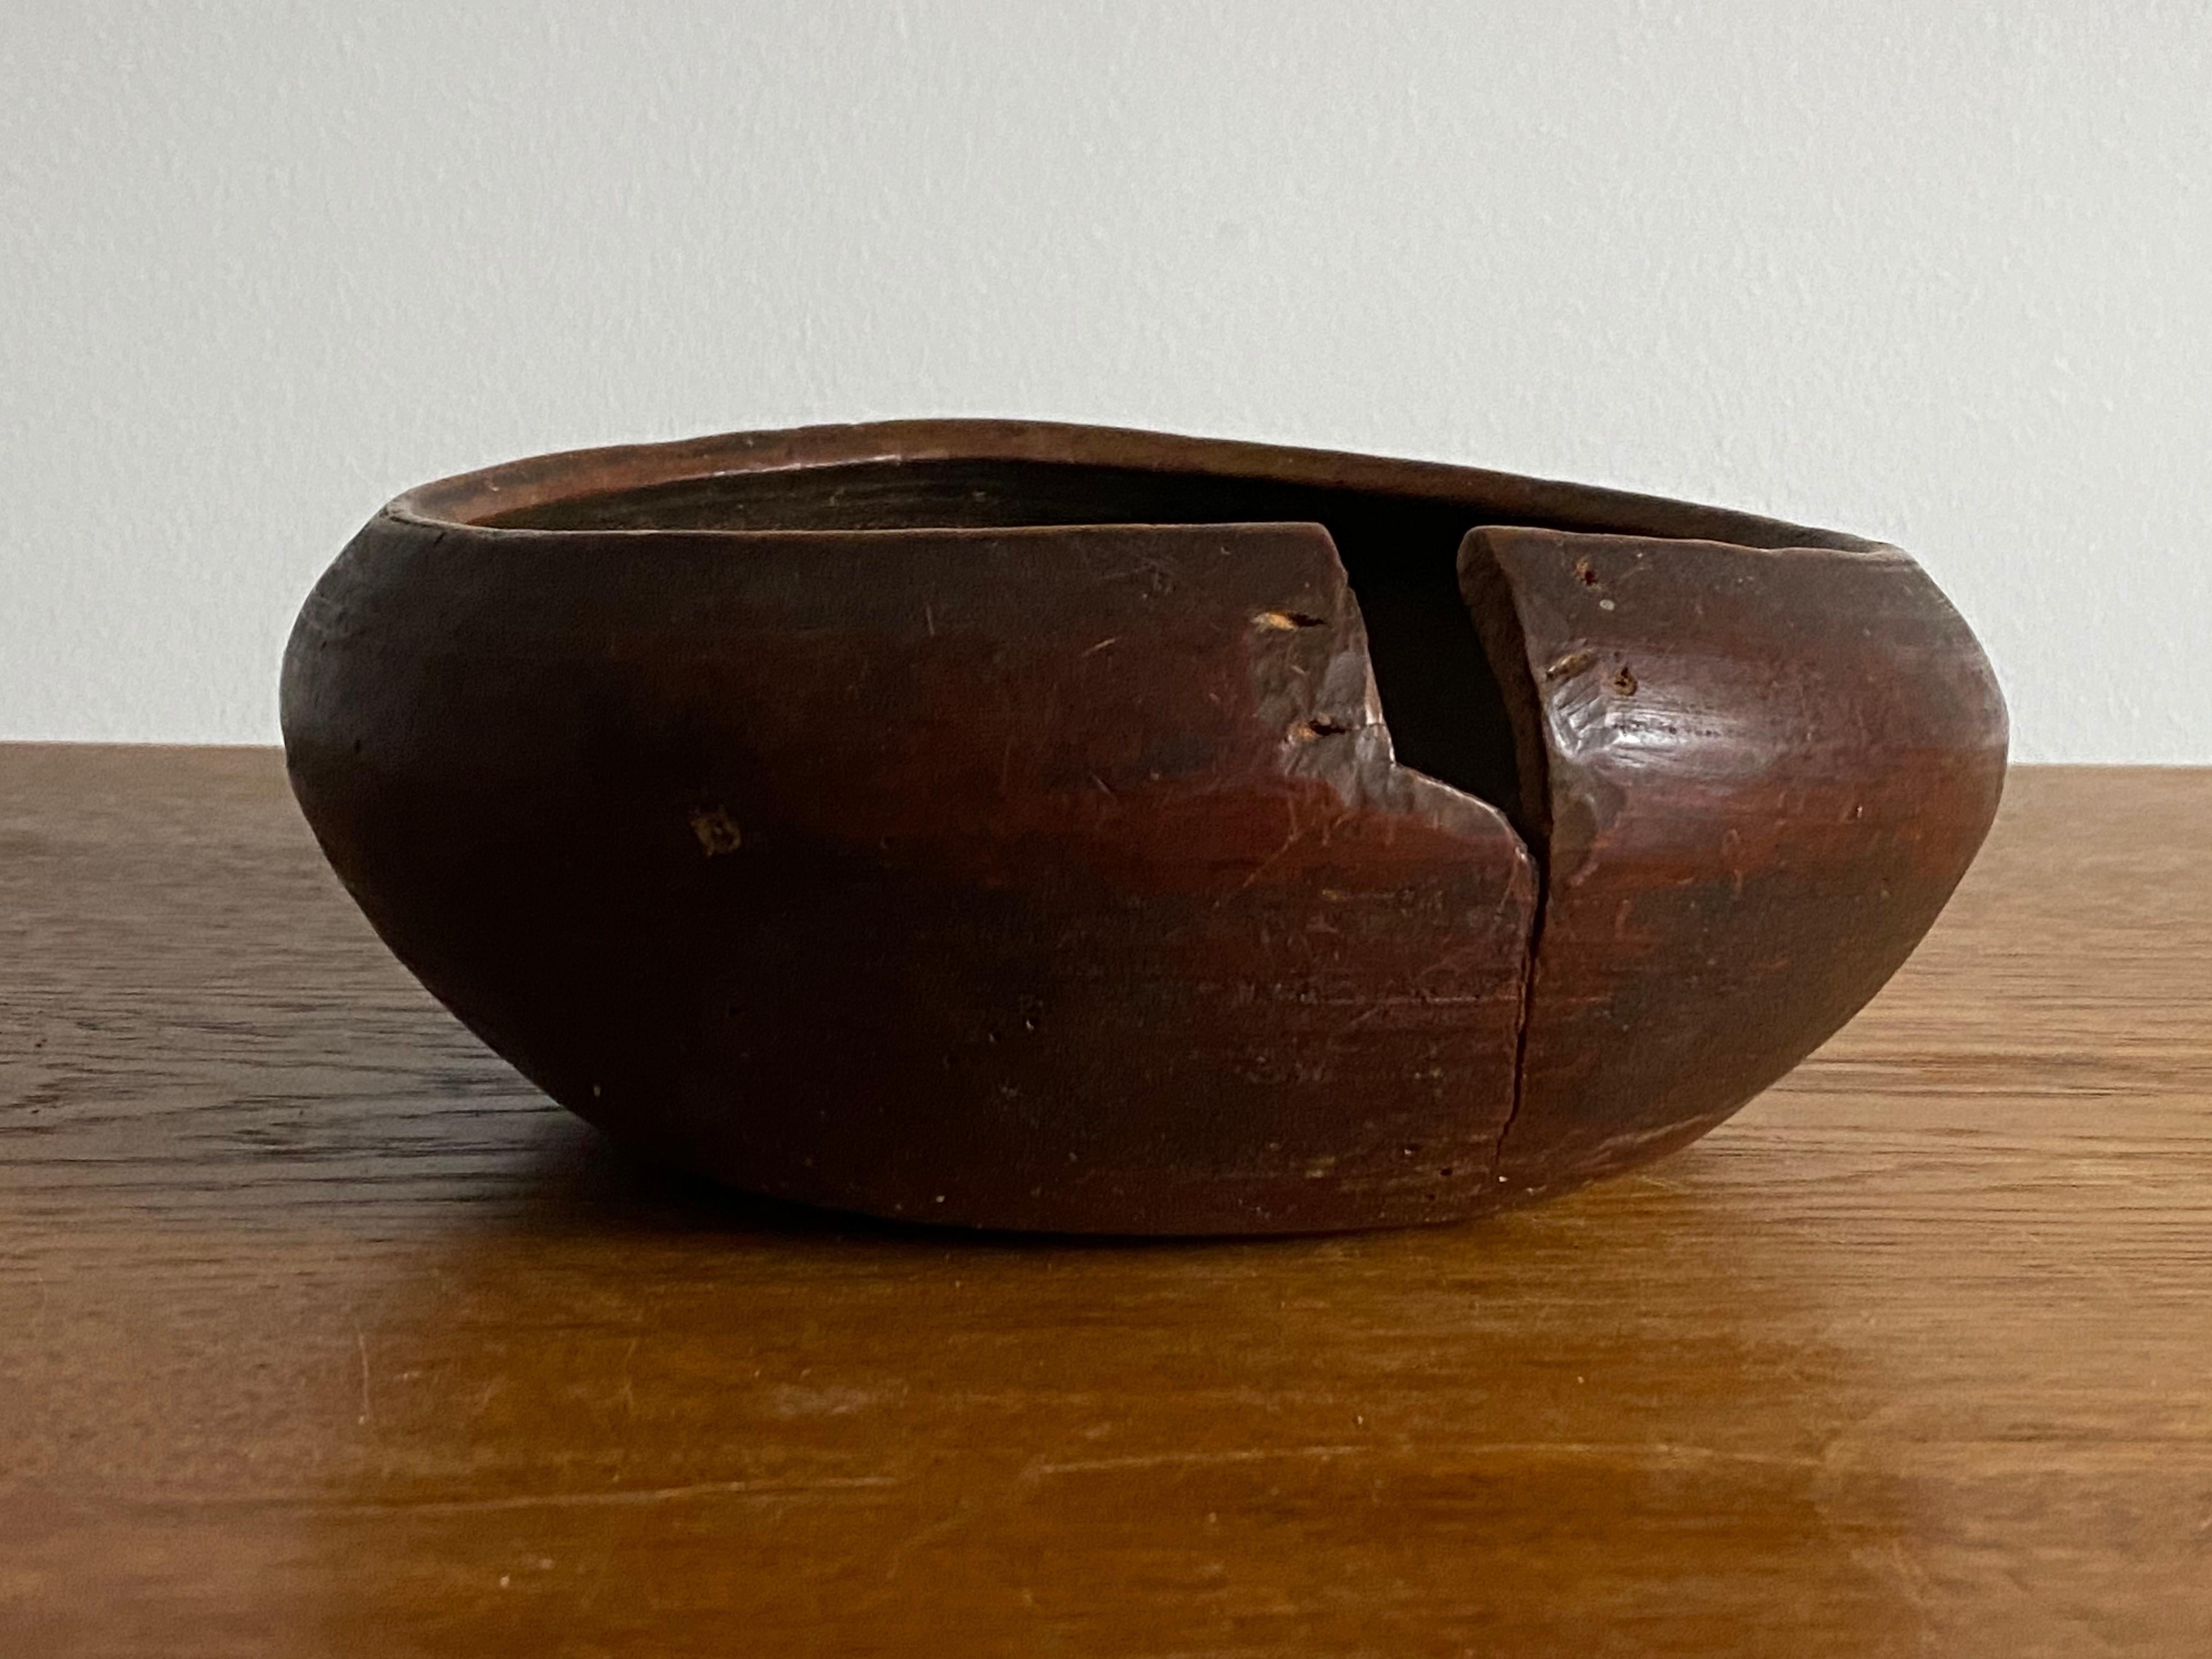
(1935, 271)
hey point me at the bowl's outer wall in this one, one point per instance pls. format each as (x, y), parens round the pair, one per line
(1036, 878)
(1062, 878)
(1760, 774)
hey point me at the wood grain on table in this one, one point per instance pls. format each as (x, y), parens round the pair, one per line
(321, 1333)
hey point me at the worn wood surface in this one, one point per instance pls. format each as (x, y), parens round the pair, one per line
(1004, 822)
(319, 1333)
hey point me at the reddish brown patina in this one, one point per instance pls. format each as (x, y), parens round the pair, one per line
(1035, 826)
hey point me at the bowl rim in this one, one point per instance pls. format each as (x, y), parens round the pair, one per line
(463, 501)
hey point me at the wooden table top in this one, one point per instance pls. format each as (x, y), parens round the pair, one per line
(321, 1333)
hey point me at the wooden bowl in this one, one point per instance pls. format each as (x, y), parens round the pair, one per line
(1034, 826)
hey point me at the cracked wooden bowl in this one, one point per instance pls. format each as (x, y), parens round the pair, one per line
(1034, 826)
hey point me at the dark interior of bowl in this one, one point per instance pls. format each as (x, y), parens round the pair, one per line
(1446, 715)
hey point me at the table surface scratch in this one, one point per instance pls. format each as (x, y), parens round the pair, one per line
(321, 1333)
